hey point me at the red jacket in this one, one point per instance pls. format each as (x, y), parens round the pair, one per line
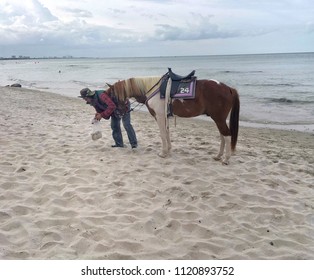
(106, 106)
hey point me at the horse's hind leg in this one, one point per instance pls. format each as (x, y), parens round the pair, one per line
(222, 148)
(225, 141)
(228, 150)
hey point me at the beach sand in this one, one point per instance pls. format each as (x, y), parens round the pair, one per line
(65, 196)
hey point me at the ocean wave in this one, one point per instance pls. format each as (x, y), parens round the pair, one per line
(281, 100)
(272, 84)
(239, 72)
(284, 100)
(77, 82)
(77, 66)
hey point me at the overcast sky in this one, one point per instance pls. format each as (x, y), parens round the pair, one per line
(109, 28)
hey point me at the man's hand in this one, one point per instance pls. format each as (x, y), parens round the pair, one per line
(98, 117)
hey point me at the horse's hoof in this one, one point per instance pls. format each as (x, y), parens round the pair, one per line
(162, 155)
(225, 162)
(217, 158)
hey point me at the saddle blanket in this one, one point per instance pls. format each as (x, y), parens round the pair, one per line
(184, 89)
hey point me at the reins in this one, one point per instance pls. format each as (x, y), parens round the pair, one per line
(132, 109)
(142, 104)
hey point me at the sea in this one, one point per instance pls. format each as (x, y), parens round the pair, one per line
(276, 90)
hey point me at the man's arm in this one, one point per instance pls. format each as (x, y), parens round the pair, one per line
(111, 106)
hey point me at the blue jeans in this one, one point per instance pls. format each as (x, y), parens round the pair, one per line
(116, 130)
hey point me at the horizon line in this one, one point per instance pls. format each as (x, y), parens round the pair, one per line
(22, 57)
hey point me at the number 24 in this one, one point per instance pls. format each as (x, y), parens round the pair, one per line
(184, 90)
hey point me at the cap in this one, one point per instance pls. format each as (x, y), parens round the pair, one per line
(86, 92)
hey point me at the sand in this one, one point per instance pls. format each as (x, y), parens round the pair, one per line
(65, 196)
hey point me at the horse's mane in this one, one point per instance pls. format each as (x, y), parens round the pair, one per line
(135, 87)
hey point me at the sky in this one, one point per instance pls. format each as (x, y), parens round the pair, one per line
(138, 28)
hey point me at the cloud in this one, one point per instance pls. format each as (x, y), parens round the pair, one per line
(120, 25)
(32, 23)
(29, 22)
(117, 11)
(24, 21)
(24, 13)
(201, 28)
(79, 13)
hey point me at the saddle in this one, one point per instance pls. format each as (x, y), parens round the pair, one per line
(176, 77)
(181, 86)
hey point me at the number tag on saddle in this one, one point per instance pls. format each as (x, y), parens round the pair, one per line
(186, 89)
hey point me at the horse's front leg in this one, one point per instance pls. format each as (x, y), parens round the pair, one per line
(157, 109)
(168, 135)
(168, 140)
(165, 138)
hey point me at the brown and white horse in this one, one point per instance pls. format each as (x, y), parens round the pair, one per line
(212, 98)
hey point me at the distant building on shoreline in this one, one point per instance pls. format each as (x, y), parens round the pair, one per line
(14, 57)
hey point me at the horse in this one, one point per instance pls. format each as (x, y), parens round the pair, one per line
(212, 98)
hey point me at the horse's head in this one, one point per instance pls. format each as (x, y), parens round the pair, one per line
(126, 89)
(110, 89)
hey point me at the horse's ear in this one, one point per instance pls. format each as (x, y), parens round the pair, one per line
(109, 85)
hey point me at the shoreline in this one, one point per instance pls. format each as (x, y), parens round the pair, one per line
(307, 128)
(65, 196)
(270, 97)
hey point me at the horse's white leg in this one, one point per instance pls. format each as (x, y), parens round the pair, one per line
(222, 148)
(167, 104)
(164, 134)
(158, 106)
(168, 141)
(168, 136)
(225, 161)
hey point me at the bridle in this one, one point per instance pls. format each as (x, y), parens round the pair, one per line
(148, 98)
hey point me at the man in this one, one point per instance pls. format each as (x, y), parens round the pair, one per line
(106, 108)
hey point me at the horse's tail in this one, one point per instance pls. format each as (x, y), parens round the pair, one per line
(234, 119)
